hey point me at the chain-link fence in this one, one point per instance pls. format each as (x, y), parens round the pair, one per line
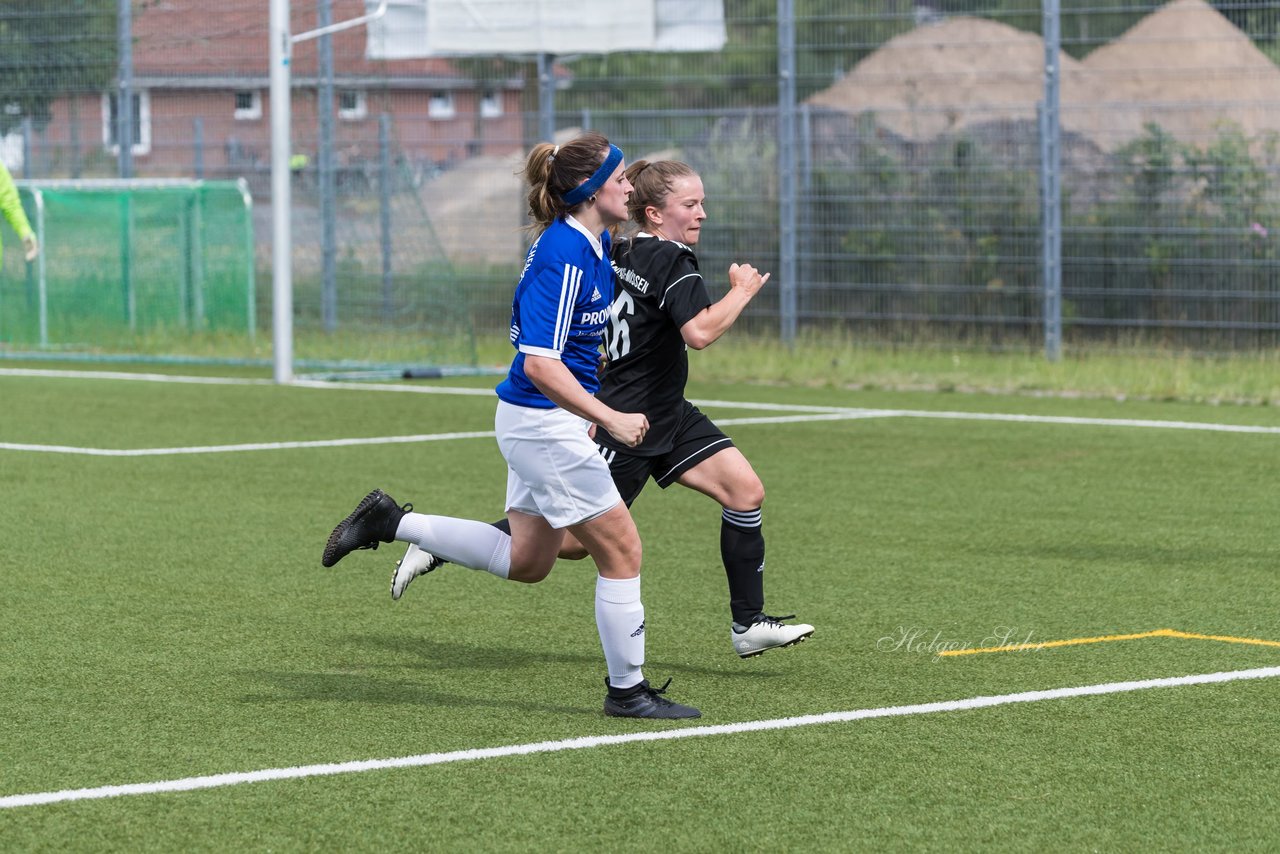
(911, 161)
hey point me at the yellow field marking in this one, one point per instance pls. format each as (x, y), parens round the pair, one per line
(1158, 633)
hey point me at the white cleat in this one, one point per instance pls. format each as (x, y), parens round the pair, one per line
(414, 563)
(767, 633)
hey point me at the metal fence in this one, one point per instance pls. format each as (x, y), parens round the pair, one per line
(886, 160)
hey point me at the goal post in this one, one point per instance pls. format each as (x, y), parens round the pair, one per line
(134, 267)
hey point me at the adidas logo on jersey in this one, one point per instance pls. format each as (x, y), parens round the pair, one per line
(595, 295)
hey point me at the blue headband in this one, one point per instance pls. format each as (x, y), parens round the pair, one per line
(588, 188)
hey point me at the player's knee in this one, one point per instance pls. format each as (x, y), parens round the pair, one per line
(747, 495)
(529, 572)
(622, 560)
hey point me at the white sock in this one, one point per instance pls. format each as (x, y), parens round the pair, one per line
(475, 545)
(620, 619)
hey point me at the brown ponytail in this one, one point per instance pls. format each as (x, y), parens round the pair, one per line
(552, 172)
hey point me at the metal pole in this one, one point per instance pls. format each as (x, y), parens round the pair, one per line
(325, 177)
(251, 290)
(281, 47)
(546, 97)
(281, 200)
(130, 296)
(38, 197)
(188, 258)
(1051, 185)
(26, 148)
(198, 143)
(124, 98)
(804, 213)
(384, 213)
(198, 318)
(73, 120)
(787, 170)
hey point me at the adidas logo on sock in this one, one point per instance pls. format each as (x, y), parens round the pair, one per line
(638, 632)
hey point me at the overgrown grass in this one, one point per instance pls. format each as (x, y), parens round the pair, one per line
(819, 361)
(833, 362)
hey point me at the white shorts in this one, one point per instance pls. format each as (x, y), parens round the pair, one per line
(553, 468)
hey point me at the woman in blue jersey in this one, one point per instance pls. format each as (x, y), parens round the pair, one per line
(556, 479)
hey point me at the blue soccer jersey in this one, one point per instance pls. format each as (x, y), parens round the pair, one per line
(560, 309)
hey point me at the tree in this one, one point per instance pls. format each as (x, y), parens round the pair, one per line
(51, 49)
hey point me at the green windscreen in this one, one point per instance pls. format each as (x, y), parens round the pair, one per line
(156, 270)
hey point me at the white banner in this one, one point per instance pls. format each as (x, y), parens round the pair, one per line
(420, 28)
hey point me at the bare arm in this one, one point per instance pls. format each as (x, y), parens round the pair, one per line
(713, 321)
(560, 386)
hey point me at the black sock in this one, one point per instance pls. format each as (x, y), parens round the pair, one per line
(742, 550)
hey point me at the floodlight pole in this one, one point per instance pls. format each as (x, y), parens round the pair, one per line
(281, 54)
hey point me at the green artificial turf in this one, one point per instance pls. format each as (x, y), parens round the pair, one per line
(167, 617)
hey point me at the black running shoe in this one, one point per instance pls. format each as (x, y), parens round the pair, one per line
(643, 701)
(374, 520)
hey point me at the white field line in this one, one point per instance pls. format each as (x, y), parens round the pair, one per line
(835, 415)
(847, 415)
(804, 413)
(188, 784)
(1091, 422)
(253, 446)
(124, 375)
(180, 379)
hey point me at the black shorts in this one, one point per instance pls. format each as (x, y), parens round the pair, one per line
(697, 438)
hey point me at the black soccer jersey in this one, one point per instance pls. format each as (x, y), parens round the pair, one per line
(659, 290)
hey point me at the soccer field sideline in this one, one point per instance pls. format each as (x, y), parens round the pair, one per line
(803, 414)
(476, 754)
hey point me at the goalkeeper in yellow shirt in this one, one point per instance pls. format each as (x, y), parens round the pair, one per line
(12, 207)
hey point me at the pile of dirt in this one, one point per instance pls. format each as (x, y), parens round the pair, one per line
(478, 207)
(1184, 67)
(944, 77)
(477, 210)
(1188, 69)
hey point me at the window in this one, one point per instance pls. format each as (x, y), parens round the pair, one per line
(490, 104)
(141, 122)
(248, 104)
(440, 105)
(352, 105)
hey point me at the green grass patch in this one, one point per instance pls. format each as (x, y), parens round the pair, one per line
(168, 617)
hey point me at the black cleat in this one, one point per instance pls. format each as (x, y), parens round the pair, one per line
(642, 701)
(374, 520)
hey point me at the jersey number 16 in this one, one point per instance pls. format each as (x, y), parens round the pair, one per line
(617, 337)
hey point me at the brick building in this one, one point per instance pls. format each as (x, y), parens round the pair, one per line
(201, 102)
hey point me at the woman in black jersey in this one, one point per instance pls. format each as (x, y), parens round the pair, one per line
(660, 309)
